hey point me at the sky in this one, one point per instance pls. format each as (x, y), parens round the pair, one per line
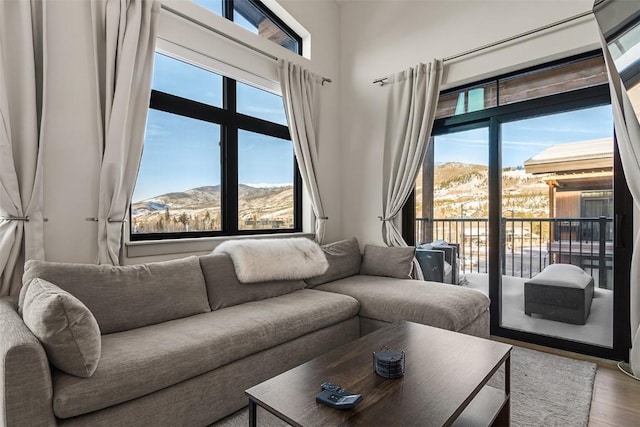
(194, 161)
(523, 139)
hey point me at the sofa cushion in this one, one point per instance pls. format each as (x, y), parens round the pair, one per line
(435, 304)
(123, 298)
(344, 259)
(66, 328)
(388, 261)
(141, 361)
(225, 290)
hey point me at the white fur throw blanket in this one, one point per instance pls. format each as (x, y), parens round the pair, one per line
(259, 260)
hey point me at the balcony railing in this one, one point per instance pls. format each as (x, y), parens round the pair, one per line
(528, 245)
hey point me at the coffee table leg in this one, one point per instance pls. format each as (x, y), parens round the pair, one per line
(507, 375)
(504, 416)
(252, 413)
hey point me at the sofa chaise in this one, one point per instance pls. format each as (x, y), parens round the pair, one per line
(177, 342)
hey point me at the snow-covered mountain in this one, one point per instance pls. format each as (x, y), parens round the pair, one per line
(461, 189)
(198, 209)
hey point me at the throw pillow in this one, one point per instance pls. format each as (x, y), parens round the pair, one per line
(344, 259)
(66, 328)
(261, 260)
(387, 261)
(127, 297)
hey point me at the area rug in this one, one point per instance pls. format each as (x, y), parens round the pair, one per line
(546, 390)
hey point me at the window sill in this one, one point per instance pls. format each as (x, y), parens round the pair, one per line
(183, 246)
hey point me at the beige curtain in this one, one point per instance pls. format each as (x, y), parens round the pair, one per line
(411, 109)
(301, 101)
(628, 140)
(22, 83)
(124, 38)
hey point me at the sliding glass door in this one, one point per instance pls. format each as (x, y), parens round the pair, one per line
(557, 210)
(523, 179)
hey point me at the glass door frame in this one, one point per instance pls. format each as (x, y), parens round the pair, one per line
(623, 211)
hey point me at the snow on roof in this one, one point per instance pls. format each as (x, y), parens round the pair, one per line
(581, 150)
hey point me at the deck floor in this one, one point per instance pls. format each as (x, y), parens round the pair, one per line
(598, 329)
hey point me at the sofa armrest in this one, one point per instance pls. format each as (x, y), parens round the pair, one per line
(25, 376)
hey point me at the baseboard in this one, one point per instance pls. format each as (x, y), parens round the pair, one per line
(578, 356)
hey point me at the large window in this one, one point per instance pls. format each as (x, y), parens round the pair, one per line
(217, 160)
(257, 18)
(521, 173)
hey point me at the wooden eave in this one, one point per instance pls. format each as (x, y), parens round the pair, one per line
(569, 165)
(586, 180)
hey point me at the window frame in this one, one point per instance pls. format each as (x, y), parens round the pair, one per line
(230, 122)
(227, 12)
(494, 117)
(488, 82)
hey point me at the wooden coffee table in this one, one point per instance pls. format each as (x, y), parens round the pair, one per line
(444, 383)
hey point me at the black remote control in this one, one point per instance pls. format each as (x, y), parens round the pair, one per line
(338, 401)
(334, 388)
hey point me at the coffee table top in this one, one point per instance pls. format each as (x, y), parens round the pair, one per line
(444, 371)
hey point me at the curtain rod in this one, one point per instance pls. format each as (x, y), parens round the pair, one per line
(227, 36)
(505, 40)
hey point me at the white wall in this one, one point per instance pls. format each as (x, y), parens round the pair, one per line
(379, 38)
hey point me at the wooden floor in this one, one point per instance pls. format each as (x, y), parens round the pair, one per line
(616, 396)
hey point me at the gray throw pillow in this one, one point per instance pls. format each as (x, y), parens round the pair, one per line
(344, 259)
(388, 261)
(66, 328)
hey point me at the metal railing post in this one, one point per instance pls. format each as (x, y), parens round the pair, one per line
(602, 258)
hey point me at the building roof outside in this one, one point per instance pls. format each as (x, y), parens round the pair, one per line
(589, 155)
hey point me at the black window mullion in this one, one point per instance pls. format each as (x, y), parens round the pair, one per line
(264, 127)
(297, 196)
(495, 222)
(185, 107)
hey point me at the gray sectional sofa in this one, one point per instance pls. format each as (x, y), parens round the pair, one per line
(179, 341)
